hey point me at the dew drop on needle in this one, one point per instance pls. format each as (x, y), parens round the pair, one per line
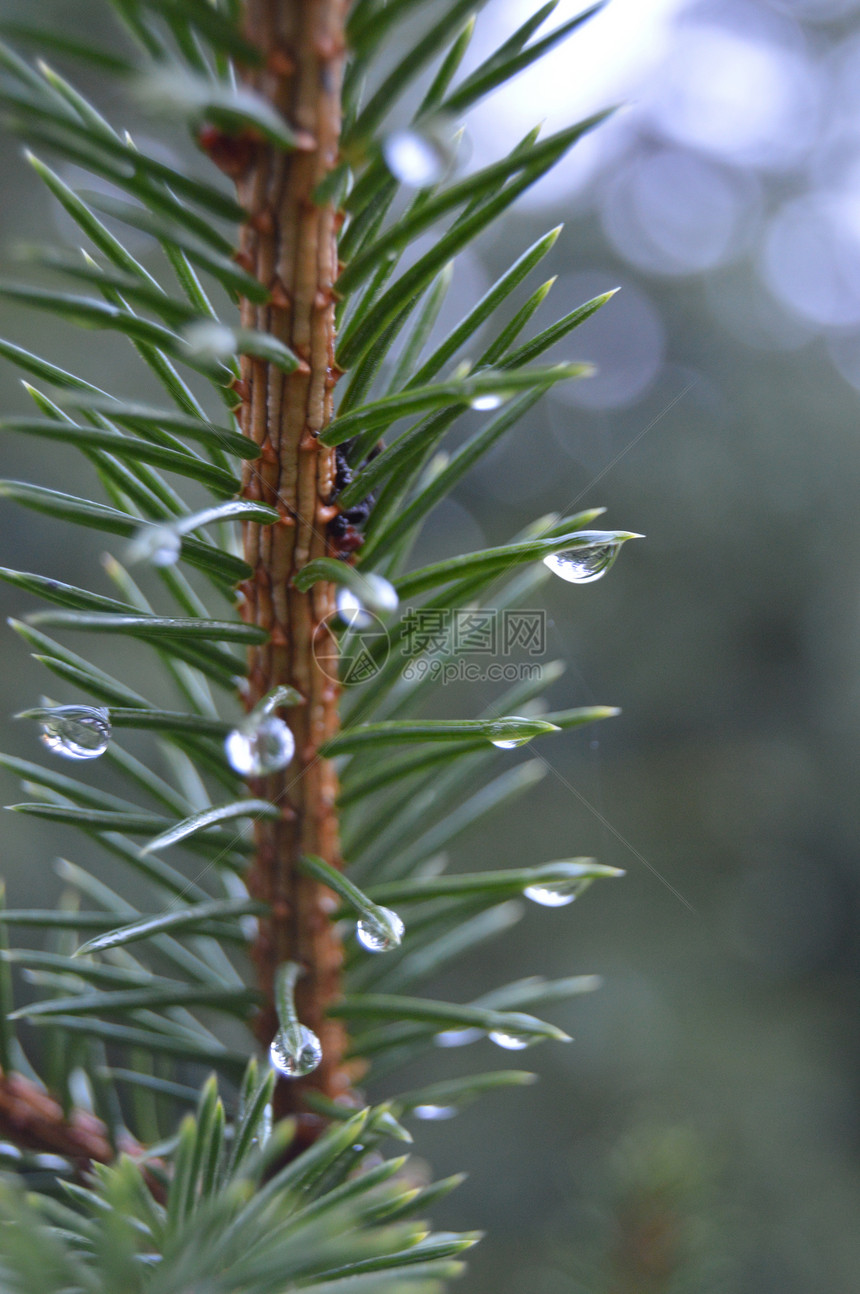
(380, 935)
(552, 895)
(457, 1037)
(76, 731)
(262, 747)
(434, 1112)
(295, 1051)
(158, 545)
(352, 610)
(582, 565)
(416, 158)
(509, 1041)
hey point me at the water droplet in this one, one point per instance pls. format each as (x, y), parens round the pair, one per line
(583, 565)
(158, 545)
(516, 730)
(416, 158)
(457, 1037)
(510, 1041)
(260, 748)
(250, 927)
(380, 935)
(434, 1112)
(553, 895)
(76, 731)
(359, 611)
(487, 402)
(295, 1051)
(209, 340)
(352, 610)
(381, 594)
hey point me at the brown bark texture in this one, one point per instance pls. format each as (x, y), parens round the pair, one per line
(290, 243)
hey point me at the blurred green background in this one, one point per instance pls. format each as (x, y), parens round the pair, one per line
(701, 1133)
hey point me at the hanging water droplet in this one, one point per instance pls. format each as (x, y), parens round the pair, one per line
(457, 1037)
(380, 934)
(352, 610)
(510, 743)
(516, 730)
(209, 340)
(295, 1051)
(250, 927)
(381, 594)
(76, 731)
(417, 158)
(434, 1112)
(583, 565)
(483, 402)
(553, 894)
(359, 610)
(258, 748)
(158, 545)
(510, 1041)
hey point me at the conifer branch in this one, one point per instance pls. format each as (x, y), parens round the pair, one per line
(289, 243)
(142, 979)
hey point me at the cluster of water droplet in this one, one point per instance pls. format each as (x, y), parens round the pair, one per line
(295, 1051)
(381, 931)
(260, 746)
(76, 731)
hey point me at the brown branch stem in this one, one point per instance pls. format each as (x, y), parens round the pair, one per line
(33, 1120)
(289, 242)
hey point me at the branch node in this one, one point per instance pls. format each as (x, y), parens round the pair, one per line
(279, 297)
